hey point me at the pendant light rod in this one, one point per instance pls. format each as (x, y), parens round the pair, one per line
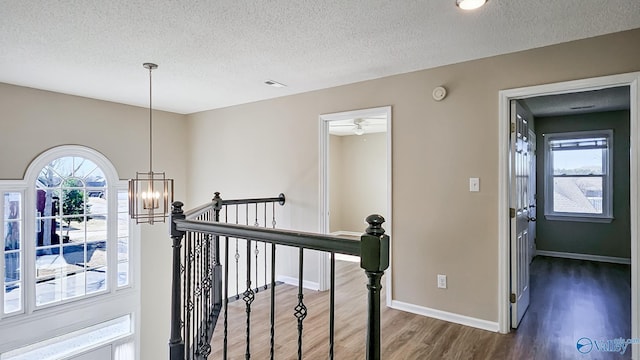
(150, 66)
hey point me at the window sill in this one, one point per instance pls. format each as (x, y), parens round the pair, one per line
(578, 218)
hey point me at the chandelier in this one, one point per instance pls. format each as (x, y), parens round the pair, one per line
(150, 193)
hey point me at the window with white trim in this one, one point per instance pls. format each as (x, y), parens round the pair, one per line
(13, 281)
(67, 260)
(578, 176)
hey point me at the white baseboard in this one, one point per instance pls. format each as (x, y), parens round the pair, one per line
(609, 259)
(294, 281)
(446, 316)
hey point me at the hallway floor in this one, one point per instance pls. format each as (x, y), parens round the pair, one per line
(571, 299)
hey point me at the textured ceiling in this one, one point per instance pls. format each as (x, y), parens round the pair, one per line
(610, 99)
(219, 53)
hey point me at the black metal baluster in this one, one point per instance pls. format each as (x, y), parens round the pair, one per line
(200, 291)
(300, 309)
(257, 252)
(265, 248)
(226, 287)
(248, 297)
(332, 303)
(226, 296)
(197, 292)
(273, 301)
(189, 300)
(273, 214)
(237, 257)
(205, 349)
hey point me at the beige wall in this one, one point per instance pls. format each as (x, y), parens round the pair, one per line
(358, 180)
(438, 225)
(33, 121)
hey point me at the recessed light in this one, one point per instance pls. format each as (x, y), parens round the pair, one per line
(275, 84)
(470, 4)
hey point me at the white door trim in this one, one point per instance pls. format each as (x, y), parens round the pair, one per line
(324, 120)
(630, 79)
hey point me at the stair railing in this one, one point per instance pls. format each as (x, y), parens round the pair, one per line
(200, 285)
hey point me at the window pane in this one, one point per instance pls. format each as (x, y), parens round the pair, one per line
(11, 235)
(578, 162)
(65, 346)
(12, 266)
(72, 277)
(49, 267)
(577, 195)
(73, 202)
(12, 297)
(97, 203)
(96, 266)
(123, 261)
(96, 229)
(12, 205)
(123, 238)
(573, 143)
(96, 279)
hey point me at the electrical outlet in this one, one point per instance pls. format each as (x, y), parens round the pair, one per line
(474, 184)
(442, 281)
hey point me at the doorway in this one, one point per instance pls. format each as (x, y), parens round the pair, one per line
(629, 80)
(355, 174)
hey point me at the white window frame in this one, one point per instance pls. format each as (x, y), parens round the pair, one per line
(7, 188)
(607, 178)
(39, 323)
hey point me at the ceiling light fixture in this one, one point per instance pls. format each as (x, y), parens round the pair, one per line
(470, 4)
(275, 84)
(150, 193)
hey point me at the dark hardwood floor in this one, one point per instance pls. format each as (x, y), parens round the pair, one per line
(571, 299)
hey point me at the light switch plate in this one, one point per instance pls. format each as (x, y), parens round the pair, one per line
(442, 281)
(474, 184)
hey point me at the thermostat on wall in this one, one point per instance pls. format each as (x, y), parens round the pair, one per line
(439, 93)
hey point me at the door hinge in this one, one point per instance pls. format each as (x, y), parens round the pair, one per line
(512, 213)
(512, 298)
(513, 127)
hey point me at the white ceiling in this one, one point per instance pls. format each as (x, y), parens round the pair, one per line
(609, 99)
(369, 125)
(214, 54)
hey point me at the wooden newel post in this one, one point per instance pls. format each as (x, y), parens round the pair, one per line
(176, 342)
(374, 259)
(217, 267)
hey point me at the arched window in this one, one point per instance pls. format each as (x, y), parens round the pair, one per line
(72, 213)
(67, 247)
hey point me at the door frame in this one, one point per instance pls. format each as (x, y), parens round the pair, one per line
(324, 120)
(629, 79)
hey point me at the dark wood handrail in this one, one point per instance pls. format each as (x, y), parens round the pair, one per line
(313, 241)
(217, 201)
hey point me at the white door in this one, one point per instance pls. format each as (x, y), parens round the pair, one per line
(520, 167)
(532, 190)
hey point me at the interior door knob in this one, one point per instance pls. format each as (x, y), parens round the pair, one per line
(531, 219)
